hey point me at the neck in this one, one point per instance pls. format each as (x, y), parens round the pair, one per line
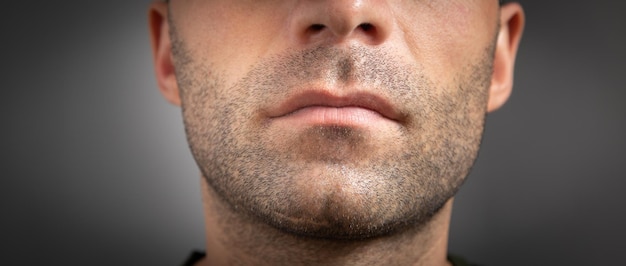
(236, 240)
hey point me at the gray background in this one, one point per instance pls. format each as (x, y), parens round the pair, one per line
(95, 169)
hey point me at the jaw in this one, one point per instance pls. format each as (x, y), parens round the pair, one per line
(245, 239)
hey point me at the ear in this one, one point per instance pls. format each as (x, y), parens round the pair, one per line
(511, 28)
(162, 52)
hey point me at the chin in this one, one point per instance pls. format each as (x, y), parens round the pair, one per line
(340, 222)
(336, 202)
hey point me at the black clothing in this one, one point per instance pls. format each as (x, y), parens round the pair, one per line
(194, 257)
(199, 255)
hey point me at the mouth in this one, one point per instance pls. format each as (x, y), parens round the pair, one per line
(324, 108)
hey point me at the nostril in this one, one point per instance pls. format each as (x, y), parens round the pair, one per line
(316, 27)
(366, 32)
(366, 27)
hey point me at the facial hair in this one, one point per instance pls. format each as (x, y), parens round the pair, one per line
(333, 182)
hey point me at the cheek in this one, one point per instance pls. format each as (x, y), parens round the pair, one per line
(449, 35)
(228, 36)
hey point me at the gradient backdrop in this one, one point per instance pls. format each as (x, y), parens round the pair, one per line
(95, 169)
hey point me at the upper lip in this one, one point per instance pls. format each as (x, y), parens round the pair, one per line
(312, 98)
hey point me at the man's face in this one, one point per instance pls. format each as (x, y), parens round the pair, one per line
(337, 119)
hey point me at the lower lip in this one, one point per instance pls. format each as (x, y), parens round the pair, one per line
(333, 116)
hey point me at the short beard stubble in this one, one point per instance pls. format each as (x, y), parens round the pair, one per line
(350, 184)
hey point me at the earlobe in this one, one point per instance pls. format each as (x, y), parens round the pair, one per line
(162, 52)
(511, 28)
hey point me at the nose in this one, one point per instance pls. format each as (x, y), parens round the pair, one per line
(336, 21)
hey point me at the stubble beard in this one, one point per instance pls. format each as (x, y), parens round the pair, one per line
(331, 181)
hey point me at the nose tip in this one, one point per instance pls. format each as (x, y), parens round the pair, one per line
(340, 20)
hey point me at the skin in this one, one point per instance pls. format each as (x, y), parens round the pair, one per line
(366, 173)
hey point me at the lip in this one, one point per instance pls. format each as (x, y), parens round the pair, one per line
(321, 106)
